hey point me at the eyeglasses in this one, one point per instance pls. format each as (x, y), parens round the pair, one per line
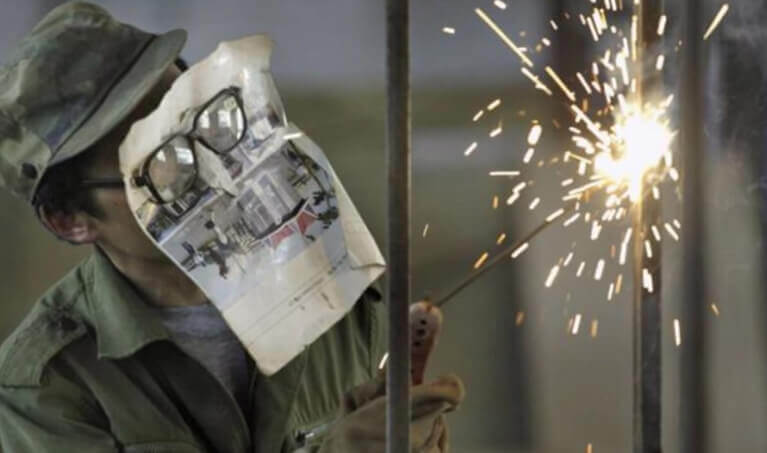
(171, 169)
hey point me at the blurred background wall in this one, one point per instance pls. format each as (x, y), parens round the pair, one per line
(533, 386)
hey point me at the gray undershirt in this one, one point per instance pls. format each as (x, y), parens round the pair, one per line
(201, 332)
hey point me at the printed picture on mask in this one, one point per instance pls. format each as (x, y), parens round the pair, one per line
(284, 204)
(247, 205)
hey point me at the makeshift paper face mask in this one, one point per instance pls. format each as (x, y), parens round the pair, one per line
(247, 205)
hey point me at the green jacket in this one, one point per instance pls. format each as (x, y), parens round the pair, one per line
(92, 370)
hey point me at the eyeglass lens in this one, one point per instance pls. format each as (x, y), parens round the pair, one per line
(221, 124)
(172, 170)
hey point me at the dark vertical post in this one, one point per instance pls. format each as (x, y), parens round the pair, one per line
(693, 370)
(398, 157)
(647, 308)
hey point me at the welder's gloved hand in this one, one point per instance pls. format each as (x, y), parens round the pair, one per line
(361, 426)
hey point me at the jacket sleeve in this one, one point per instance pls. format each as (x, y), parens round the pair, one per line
(57, 416)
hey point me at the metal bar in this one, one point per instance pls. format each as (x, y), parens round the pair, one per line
(399, 177)
(693, 370)
(647, 337)
(647, 334)
(647, 318)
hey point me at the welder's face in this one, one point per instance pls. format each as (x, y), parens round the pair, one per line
(115, 224)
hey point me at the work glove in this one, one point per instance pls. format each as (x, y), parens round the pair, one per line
(361, 425)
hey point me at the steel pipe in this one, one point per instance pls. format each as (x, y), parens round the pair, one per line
(692, 367)
(647, 319)
(398, 125)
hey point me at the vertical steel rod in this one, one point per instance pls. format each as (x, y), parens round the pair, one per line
(647, 304)
(692, 386)
(398, 157)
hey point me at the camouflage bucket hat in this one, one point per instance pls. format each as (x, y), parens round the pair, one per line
(74, 77)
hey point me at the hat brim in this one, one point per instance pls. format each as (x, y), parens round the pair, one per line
(126, 94)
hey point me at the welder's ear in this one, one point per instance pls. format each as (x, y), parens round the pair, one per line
(75, 228)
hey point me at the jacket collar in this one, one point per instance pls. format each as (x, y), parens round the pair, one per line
(123, 321)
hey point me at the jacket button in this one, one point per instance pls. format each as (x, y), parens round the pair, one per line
(67, 324)
(29, 170)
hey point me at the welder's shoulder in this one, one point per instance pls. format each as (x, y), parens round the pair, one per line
(48, 328)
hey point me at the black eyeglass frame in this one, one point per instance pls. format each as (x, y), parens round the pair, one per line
(142, 178)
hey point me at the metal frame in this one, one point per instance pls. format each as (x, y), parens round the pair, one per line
(398, 126)
(647, 317)
(692, 385)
